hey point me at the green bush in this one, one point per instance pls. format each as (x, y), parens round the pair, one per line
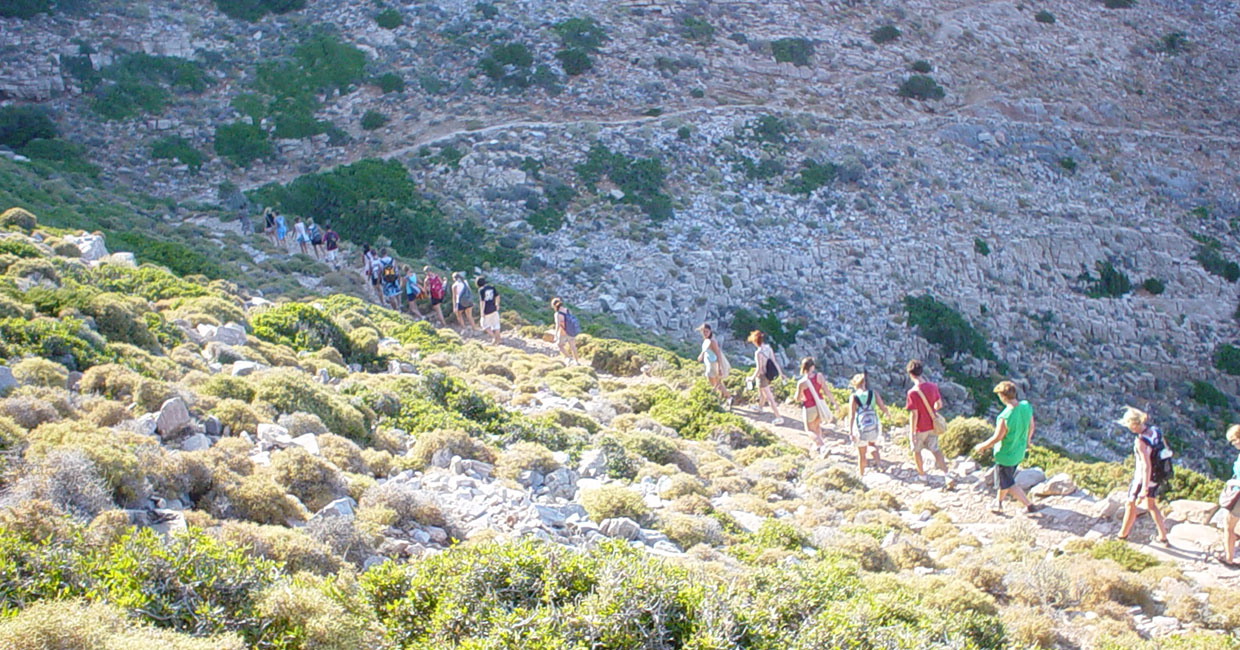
(779, 332)
(1122, 553)
(1172, 43)
(1210, 257)
(150, 282)
(373, 120)
(61, 154)
(59, 340)
(1110, 283)
(1153, 286)
(574, 62)
(390, 82)
(980, 246)
(21, 124)
(812, 176)
(921, 65)
(508, 65)
(140, 83)
(301, 327)
(1118, 4)
(253, 10)
(1045, 17)
(884, 34)
(242, 143)
(692, 28)
(923, 87)
(24, 9)
(641, 180)
(963, 434)
(1068, 164)
(19, 219)
(1206, 394)
(178, 258)
(583, 34)
(1227, 358)
(796, 51)
(290, 391)
(174, 146)
(389, 19)
(945, 327)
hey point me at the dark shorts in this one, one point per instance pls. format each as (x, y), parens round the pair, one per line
(435, 302)
(1005, 476)
(1136, 492)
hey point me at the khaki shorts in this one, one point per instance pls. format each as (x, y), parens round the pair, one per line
(712, 370)
(927, 440)
(763, 382)
(490, 322)
(810, 415)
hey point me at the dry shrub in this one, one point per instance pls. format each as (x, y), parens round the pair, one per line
(120, 457)
(357, 484)
(835, 478)
(691, 504)
(863, 548)
(772, 489)
(257, 497)
(65, 478)
(729, 485)
(294, 548)
(342, 452)
(522, 456)
(689, 530)
(1042, 583)
(611, 502)
(299, 424)
(36, 371)
(399, 505)
(1105, 581)
(1224, 609)
(907, 555)
(78, 624)
(35, 520)
(27, 411)
(1028, 627)
(449, 443)
(105, 412)
(940, 526)
(321, 614)
(750, 503)
(378, 462)
(107, 527)
(680, 485)
(310, 478)
(174, 473)
(393, 441)
(237, 415)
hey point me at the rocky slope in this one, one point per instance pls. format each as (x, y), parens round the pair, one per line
(1068, 136)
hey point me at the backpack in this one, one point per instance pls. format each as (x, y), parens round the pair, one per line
(571, 326)
(770, 370)
(389, 274)
(1161, 467)
(434, 284)
(867, 419)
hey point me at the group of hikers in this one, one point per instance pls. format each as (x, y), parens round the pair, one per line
(400, 287)
(1013, 433)
(323, 242)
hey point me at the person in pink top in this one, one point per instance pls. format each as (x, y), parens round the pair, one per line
(923, 404)
(813, 389)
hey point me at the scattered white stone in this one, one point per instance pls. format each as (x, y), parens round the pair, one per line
(196, 442)
(1058, 485)
(620, 528)
(7, 382)
(173, 416)
(308, 442)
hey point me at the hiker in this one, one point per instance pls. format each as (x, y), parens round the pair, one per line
(281, 231)
(1147, 474)
(435, 292)
(389, 280)
(269, 225)
(299, 230)
(925, 424)
(370, 268)
(462, 301)
(488, 297)
(316, 239)
(413, 291)
(566, 330)
(712, 356)
(812, 387)
(1013, 430)
(1229, 500)
(765, 370)
(863, 424)
(331, 243)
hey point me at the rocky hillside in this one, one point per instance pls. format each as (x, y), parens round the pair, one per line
(190, 465)
(1041, 190)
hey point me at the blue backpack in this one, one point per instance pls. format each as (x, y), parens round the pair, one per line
(571, 326)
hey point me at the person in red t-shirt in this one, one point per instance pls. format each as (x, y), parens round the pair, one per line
(813, 389)
(923, 404)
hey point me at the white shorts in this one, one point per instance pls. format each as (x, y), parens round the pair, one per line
(490, 322)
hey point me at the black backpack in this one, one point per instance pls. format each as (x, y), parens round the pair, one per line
(1161, 467)
(769, 369)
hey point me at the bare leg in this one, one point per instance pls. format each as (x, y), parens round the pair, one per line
(1130, 518)
(460, 320)
(469, 315)
(861, 460)
(1019, 494)
(1233, 522)
(921, 472)
(1157, 515)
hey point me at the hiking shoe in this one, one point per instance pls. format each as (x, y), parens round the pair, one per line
(779, 421)
(949, 483)
(1031, 508)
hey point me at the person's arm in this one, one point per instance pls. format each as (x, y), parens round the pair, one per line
(835, 404)
(1148, 473)
(757, 362)
(1032, 426)
(881, 406)
(1000, 432)
(496, 301)
(852, 412)
(559, 322)
(912, 420)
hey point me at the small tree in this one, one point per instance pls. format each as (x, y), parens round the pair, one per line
(885, 34)
(373, 120)
(1045, 17)
(923, 87)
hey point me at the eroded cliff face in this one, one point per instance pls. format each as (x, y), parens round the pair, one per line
(795, 169)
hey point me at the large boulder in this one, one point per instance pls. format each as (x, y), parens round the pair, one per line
(1193, 512)
(593, 463)
(1198, 537)
(7, 382)
(91, 246)
(620, 528)
(230, 334)
(1026, 479)
(173, 416)
(196, 442)
(1056, 486)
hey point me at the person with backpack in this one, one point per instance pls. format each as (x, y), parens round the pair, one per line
(765, 371)
(269, 225)
(316, 239)
(462, 301)
(488, 299)
(370, 268)
(1013, 431)
(389, 280)
(1152, 470)
(812, 387)
(331, 244)
(1229, 501)
(863, 423)
(413, 291)
(712, 356)
(925, 424)
(435, 292)
(566, 330)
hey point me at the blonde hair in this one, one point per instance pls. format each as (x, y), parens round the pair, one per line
(1233, 435)
(1005, 389)
(857, 381)
(556, 303)
(1133, 417)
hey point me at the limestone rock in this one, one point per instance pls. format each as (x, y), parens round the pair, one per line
(196, 442)
(1026, 479)
(593, 464)
(230, 334)
(1193, 512)
(620, 528)
(173, 416)
(308, 442)
(1058, 485)
(7, 382)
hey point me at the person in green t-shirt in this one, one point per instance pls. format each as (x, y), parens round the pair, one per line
(1013, 431)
